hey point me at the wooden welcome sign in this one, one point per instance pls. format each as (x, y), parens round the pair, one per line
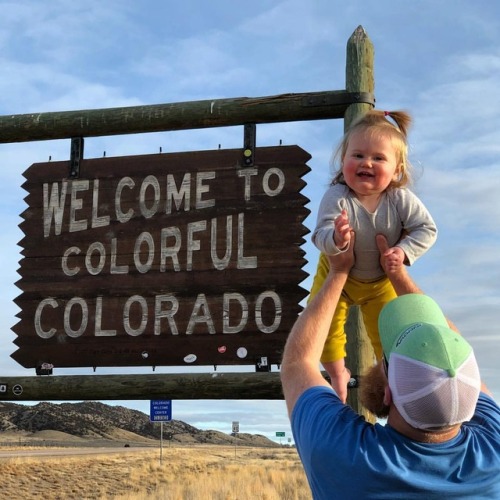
(162, 260)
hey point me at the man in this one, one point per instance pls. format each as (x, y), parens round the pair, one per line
(442, 438)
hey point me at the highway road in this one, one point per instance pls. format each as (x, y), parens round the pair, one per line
(66, 452)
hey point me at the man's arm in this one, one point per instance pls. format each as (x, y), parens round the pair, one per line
(300, 368)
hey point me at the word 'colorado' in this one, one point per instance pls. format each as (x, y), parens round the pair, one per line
(136, 315)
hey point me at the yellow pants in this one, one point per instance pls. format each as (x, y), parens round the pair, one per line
(371, 297)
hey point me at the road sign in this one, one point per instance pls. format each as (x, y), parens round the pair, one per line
(160, 410)
(280, 434)
(236, 427)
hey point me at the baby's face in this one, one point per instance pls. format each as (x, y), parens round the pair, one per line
(370, 163)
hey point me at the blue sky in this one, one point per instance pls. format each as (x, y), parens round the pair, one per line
(439, 60)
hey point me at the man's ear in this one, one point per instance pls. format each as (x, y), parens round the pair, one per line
(387, 396)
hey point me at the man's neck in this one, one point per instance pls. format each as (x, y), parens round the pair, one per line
(396, 421)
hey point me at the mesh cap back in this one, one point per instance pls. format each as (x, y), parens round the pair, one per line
(428, 397)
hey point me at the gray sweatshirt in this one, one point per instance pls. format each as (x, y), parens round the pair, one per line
(399, 210)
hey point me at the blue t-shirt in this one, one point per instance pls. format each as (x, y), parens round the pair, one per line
(346, 457)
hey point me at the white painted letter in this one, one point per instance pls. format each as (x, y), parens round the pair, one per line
(246, 173)
(281, 181)
(126, 315)
(243, 262)
(53, 207)
(192, 244)
(98, 321)
(152, 181)
(98, 247)
(200, 304)
(121, 216)
(258, 311)
(221, 264)
(226, 328)
(184, 193)
(44, 334)
(169, 314)
(67, 313)
(148, 239)
(76, 204)
(201, 188)
(64, 262)
(114, 269)
(96, 220)
(172, 251)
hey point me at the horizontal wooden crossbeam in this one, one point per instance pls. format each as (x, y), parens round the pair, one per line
(258, 385)
(179, 116)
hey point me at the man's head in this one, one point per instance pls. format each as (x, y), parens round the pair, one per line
(432, 372)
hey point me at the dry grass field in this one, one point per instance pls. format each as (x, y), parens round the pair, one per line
(177, 473)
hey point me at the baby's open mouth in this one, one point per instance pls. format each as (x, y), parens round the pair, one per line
(365, 174)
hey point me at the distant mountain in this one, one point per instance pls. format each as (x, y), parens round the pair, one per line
(94, 420)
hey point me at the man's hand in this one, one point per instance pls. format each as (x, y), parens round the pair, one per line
(394, 258)
(397, 274)
(391, 258)
(343, 261)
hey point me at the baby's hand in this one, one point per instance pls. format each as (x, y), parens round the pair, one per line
(339, 384)
(342, 234)
(394, 258)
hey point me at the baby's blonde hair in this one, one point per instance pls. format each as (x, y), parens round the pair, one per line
(376, 122)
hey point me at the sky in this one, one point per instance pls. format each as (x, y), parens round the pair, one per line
(438, 60)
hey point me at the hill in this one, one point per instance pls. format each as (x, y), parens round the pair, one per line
(92, 422)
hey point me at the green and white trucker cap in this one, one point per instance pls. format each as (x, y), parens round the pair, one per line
(432, 370)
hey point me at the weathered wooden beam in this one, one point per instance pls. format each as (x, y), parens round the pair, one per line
(178, 116)
(257, 385)
(359, 73)
(359, 77)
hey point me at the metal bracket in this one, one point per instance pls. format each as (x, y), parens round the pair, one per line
(353, 382)
(44, 369)
(249, 141)
(75, 157)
